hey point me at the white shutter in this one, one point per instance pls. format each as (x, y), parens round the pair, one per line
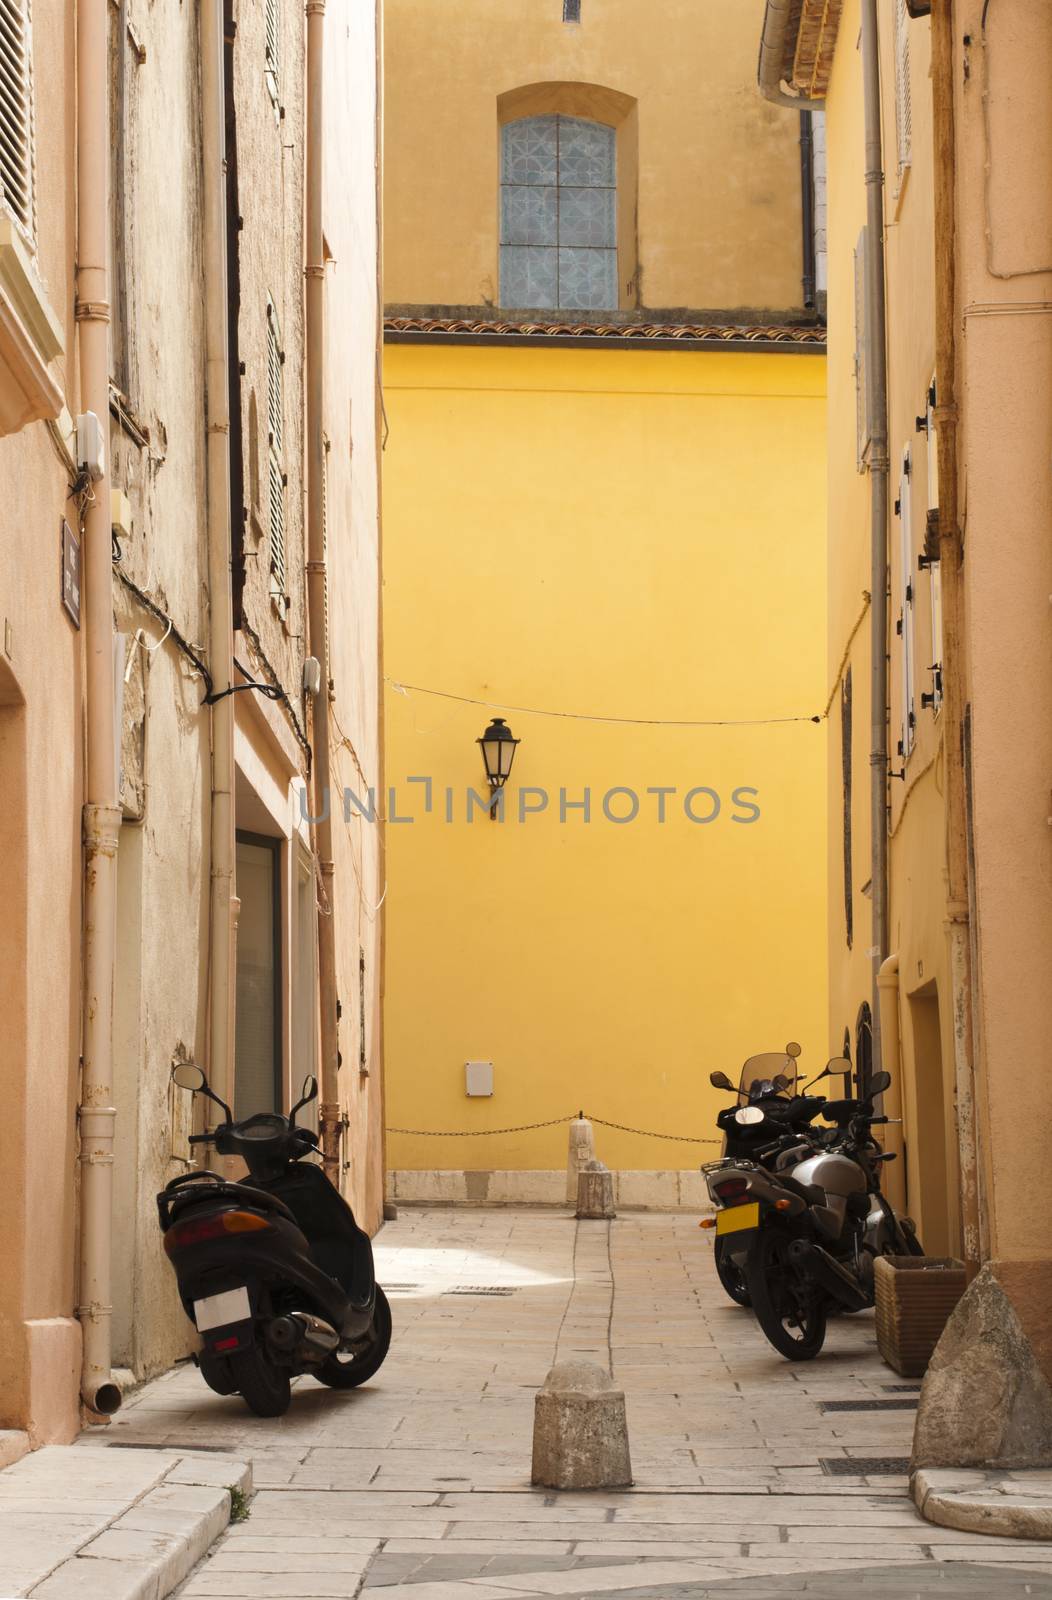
(903, 103)
(16, 113)
(909, 717)
(272, 49)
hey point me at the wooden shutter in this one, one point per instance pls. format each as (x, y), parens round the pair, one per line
(16, 113)
(861, 402)
(903, 103)
(906, 596)
(275, 452)
(272, 48)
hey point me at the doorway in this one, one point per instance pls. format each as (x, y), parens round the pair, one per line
(258, 1036)
(928, 1177)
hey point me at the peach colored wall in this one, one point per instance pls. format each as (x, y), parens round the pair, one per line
(1004, 128)
(40, 798)
(719, 168)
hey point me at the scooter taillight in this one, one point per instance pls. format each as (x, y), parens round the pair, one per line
(731, 1188)
(197, 1230)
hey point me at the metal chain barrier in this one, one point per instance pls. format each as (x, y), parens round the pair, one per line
(554, 1122)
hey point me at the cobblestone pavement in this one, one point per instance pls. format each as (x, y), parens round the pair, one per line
(753, 1477)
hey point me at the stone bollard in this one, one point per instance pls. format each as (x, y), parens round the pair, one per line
(580, 1432)
(581, 1151)
(595, 1193)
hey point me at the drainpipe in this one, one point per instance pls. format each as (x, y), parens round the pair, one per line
(951, 553)
(220, 636)
(807, 208)
(893, 1176)
(102, 813)
(877, 408)
(329, 1110)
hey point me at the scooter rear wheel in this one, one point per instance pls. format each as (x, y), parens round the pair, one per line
(265, 1388)
(731, 1277)
(347, 1371)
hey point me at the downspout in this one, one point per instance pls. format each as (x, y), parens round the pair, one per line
(951, 554)
(102, 812)
(893, 1179)
(877, 408)
(329, 1110)
(220, 637)
(807, 209)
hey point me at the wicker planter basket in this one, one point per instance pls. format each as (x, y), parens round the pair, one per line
(915, 1296)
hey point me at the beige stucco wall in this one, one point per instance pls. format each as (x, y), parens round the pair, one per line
(718, 167)
(926, 1179)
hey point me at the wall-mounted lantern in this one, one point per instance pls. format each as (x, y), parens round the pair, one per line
(498, 745)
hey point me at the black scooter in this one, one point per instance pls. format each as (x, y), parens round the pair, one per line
(274, 1272)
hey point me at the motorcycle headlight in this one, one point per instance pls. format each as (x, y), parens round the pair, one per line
(748, 1115)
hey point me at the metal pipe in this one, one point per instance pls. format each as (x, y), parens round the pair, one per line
(807, 208)
(877, 413)
(329, 1109)
(951, 554)
(102, 814)
(220, 637)
(772, 55)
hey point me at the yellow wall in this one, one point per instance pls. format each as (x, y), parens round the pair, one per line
(719, 168)
(635, 534)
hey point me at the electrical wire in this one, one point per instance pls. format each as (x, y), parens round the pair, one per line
(581, 716)
(171, 630)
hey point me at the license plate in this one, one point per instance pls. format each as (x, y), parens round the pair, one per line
(735, 1218)
(220, 1310)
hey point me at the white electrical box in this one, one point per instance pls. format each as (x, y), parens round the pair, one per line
(479, 1077)
(91, 448)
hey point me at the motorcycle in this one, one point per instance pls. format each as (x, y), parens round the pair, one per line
(773, 1118)
(273, 1270)
(805, 1233)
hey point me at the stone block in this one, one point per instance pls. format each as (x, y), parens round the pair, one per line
(581, 1152)
(986, 1400)
(595, 1192)
(580, 1430)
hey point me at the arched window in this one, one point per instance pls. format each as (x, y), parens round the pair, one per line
(558, 214)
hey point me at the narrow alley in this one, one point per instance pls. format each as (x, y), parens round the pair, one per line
(752, 1476)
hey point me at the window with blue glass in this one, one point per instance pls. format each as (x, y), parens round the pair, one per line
(558, 215)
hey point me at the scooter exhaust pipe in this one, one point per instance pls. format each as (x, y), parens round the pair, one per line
(834, 1278)
(299, 1330)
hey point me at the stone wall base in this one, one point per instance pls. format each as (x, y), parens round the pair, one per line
(986, 1400)
(673, 1190)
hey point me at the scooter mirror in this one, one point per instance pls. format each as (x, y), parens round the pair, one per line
(780, 1081)
(793, 1049)
(308, 1092)
(187, 1075)
(720, 1080)
(877, 1084)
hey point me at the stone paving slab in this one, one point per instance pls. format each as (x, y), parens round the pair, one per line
(416, 1487)
(110, 1525)
(1015, 1504)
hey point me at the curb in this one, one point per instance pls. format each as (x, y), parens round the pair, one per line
(1010, 1505)
(144, 1551)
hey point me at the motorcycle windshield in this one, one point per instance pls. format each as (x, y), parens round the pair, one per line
(759, 1072)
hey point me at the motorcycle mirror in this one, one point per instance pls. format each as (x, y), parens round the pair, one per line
(877, 1084)
(720, 1080)
(308, 1092)
(793, 1049)
(780, 1081)
(187, 1075)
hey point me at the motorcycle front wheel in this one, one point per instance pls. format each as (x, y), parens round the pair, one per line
(790, 1310)
(265, 1388)
(347, 1370)
(731, 1276)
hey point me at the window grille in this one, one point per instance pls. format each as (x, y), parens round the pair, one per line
(558, 214)
(16, 114)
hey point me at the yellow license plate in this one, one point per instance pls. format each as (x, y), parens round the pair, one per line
(735, 1218)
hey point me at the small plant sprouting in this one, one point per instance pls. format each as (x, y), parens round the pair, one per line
(239, 1511)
